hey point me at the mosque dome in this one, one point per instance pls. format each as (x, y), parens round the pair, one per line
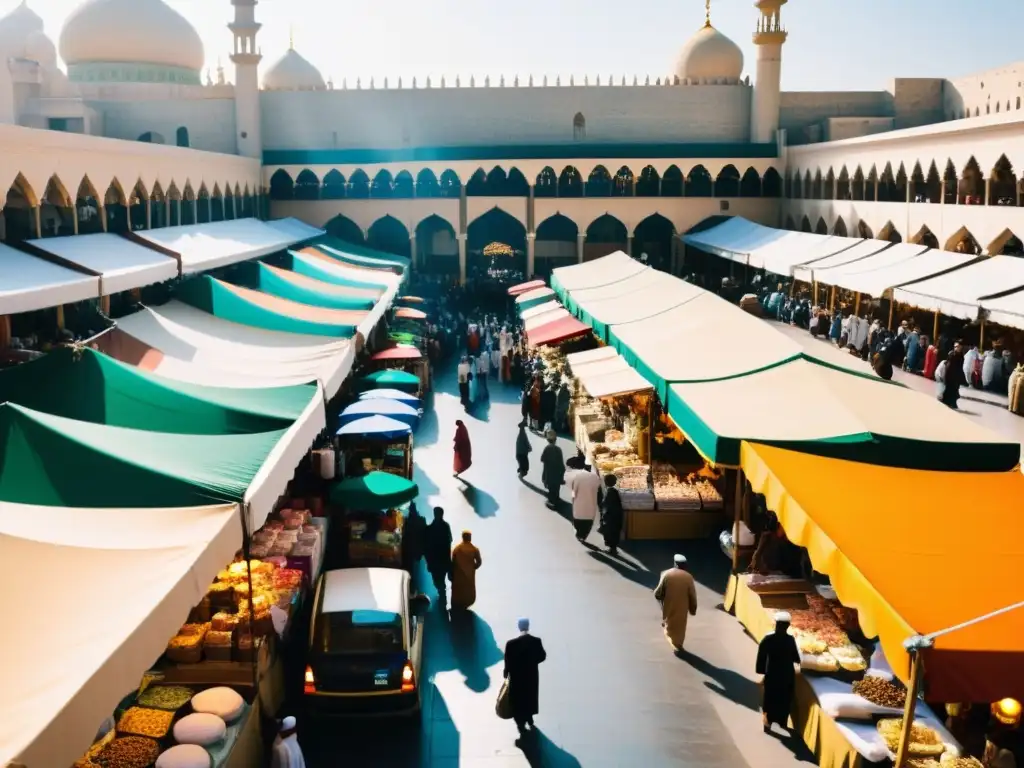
(40, 49)
(136, 32)
(710, 55)
(293, 72)
(17, 26)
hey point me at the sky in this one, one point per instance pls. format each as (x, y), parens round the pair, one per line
(833, 44)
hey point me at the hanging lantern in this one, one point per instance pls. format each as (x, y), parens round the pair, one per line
(1007, 712)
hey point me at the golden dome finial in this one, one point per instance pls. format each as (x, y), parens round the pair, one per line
(707, 13)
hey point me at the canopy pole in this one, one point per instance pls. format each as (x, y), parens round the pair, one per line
(833, 301)
(935, 326)
(814, 289)
(60, 316)
(914, 646)
(5, 331)
(892, 309)
(981, 338)
(856, 304)
(792, 290)
(737, 513)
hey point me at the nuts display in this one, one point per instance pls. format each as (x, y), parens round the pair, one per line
(882, 692)
(139, 721)
(169, 697)
(923, 740)
(129, 752)
(948, 761)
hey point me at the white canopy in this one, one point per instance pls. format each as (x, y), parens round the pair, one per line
(590, 356)
(293, 228)
(960, 293)
(543, 318)
(610, 377)
(1006, 310)
(861, 250)
(218, 244)
(540, 309)
(736, 238)
(108, 588)
(190, 345)
(536, 293)
(633, 306)
(894, 257)
(639, 281)
(784, 256)
(121, 263)
(878, 282)
(592, 274)
(28, 283)
(381, 278)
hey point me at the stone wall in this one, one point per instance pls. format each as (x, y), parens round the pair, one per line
(986, 93)
(210, 122)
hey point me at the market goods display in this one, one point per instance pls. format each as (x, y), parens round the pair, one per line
(129, 752)
(223, 702)
(884, 693)
(774, 583)
(819, 662)
(139, 721)
(185, 649)
(710, 498)
(168, 697)
(200, 728)
(672, 493)
(185, 756)
(923, 762)
(823, 646)
(948, 760)
(924, 740)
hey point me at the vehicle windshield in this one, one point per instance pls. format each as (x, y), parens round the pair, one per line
(358, 632)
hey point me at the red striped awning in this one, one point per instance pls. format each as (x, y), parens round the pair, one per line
(515, 290)
(399, 352)
(556, 331)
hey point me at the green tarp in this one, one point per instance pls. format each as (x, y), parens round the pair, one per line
(87, 385)
(363, 252)
(377, 490)
(355, 260)
(286, 285)
(318, 269)
(51, 461)
(392, 379)
(227, 303)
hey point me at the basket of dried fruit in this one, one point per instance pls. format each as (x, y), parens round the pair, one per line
(186, 649)
(167, 697)
(884, 693)
(129, 752)
(949, 760)
(140, 721)
(924, 740)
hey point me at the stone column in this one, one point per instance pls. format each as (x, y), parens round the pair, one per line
(462, 257)
(149, 213)
(167, 211)
(37, 220)
(412, 249)
(988, 192)
(581, 240)
(531, 254)
(629, 244)
(101, 211)
(74, 217)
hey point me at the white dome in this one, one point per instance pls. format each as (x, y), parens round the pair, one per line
(16, 27)
(40, 49)
(292, 72)
(130, 32)
(710, 55)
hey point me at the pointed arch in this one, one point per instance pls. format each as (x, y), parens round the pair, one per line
(900, 186)
(203, 208)
(653, 236)
(383, 186)
(19, 221)
(333, 187)
(359, 185)
(950, 183)
(546, 184)
(925, 237)
(771, 184)
(821, 228)
(790, 223)
(427, 184)
(648, 183)
(307, 186)
(599, 183)
(887, 185)
(971, 190)
(570, 182)
(137, 204)
(405, 187)
(750, 184)
(57, 210)
(281, 185)
(828, 190)
(672, 182)
(158, 206)
(623, 183)
(389, 235)
(843, 184)
(496, 182)
(607, 229)
(962, 241)
(931, 191)
(56, 194)
(217, 210)
(557, 242)
(727, 183)
(345, 229)
(890, 233)
(495, 226)
(1002, 188)
(839, 229)
(871, 185)
(1006, 244)
(857, 185)
(699, 183)
(516, 185)
(798, 186)
(437, 248)
(451, 184)
(817, 186)
(863, 230)
(477, 184)
(579, 127)
(805, 224)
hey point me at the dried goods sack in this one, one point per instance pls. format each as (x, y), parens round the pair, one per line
(185, 756)
(223, 702)
(200, 729)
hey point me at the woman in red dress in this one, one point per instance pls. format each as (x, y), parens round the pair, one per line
(463, 449)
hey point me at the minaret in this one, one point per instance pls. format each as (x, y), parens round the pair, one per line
(246, 58)
(769, 39)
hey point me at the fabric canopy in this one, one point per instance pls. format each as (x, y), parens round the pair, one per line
(345, 253)
(398, 352)
(220, 243)
(888, 539)
(87, 385)
(391, 379)
(539, 309)
(28, 283)
(1006, 310)
(590, 356)
(959, 293)
(186, 344)
(810, 407)
(393, 409)
(297, 230)
(604, 378)
(593, 274)
(376, 490)
(880, 282)
(783, 257)
(261, 310)
(736, 237)
(410, 300)
(364, 252)
(532, 298)
(895, 257)
(863, 249)
(408, 313)
(378, 427)
(299, 288)
(544, 318)
(557, 331)
(121, 263)
(391, 394)
(311, 263)
(640, 281)
(515, 290)
(124, 580)
(53, 461)
(632, 307)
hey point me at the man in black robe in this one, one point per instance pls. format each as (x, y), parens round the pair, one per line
(523, 657)
(438, 553)
(776, 656)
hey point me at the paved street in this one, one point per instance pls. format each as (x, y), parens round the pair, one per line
(612, 692)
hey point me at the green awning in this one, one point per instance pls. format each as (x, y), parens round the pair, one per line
(87, 385)
(371, 255)
(805, 406)
(260, 310)
(53, 461)
(390, 378)
(322, 268)
(377, 490)
(295, 287)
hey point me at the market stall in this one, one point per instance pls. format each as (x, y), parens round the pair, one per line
(392, 379)
(557, 331)
(376, 444)
(533, 297)
(392, 394)
(395, 410)
(521, 288)
(966, 647)
(405, 357)
(370, 530)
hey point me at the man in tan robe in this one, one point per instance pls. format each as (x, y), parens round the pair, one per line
(465, 562)
(678, 597)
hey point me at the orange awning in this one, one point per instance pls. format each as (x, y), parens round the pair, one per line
(915, 552)
(409, 313)
(556, 331)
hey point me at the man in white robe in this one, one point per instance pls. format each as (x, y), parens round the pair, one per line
(286, 751)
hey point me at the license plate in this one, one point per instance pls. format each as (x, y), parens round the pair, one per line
(380, 678)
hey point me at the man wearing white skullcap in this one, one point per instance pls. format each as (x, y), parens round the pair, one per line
(523, 657)
(287, 752)
(777, 659)
(677, 594)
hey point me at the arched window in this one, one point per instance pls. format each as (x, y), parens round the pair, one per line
(182, 137)
(579, 127)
